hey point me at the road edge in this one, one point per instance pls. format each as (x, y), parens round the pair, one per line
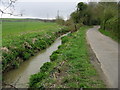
(96, 63)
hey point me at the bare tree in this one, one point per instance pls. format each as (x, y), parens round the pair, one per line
(7, 7)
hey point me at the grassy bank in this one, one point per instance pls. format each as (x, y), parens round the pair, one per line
(111, 28)
(21, 40)
(110, 34)
(70, 66)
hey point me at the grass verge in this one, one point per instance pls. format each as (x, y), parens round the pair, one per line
(111, 34)
(70, 66)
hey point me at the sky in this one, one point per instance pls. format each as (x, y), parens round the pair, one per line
(44, 9)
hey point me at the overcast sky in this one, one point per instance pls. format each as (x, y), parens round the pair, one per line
(46, 8)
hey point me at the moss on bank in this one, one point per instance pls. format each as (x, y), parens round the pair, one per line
(70, 66)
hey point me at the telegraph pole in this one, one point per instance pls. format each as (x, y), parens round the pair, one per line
(47, 15)
(58, 14)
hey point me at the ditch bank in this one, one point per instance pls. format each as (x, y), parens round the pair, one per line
(19, 78)
(70, 66)
(22, 48)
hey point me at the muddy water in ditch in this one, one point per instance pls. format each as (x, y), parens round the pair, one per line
(20, 77)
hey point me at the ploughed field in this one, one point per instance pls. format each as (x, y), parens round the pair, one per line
(22, 38)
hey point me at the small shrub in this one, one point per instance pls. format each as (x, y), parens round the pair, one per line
(64, 39)
(54, 55)
(36, 78)
(46, 67)
(26, 55)
(15, 64)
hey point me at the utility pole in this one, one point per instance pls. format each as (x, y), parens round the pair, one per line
(47, 15)
(58, 14)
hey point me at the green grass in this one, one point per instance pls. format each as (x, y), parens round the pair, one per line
(13, 19)
(16, 28)
(111, 29)
(110, 34)
(70, 66)
(21, 40)
(0, 34)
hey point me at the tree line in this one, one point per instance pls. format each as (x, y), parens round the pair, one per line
(105, 14)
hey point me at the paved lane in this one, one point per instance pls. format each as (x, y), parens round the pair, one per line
(106, 51)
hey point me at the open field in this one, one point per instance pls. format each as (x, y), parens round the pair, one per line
(16, 28)
(70, 66)
(21, 40)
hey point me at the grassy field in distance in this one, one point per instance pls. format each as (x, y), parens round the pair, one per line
(13, 28)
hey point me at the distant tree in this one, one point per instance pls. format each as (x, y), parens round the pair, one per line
(78, 15)
(108, 11)
(75, 17)
(81, 10)
(92, 14)
(81, 6)
(60, 20)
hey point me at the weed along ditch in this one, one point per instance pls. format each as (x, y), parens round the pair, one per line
(69, 66)
(20, 77)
